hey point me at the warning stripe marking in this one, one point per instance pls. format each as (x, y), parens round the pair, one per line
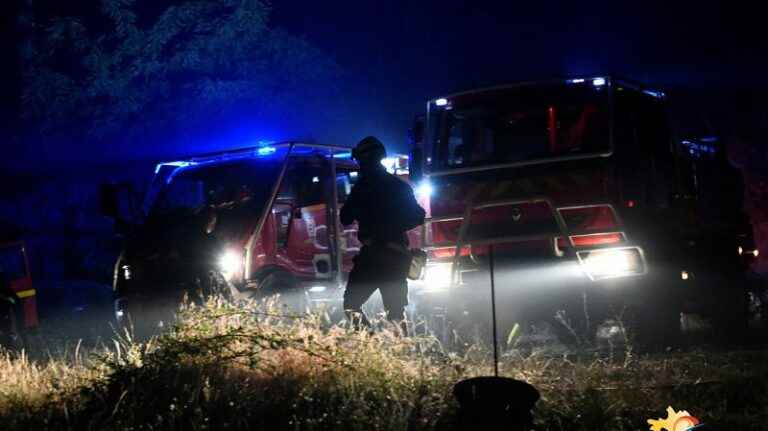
(25, 293)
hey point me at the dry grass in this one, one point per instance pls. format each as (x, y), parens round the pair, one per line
(247, 367)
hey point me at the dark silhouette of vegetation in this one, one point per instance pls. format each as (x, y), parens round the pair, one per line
(198, 64)
(252, 366)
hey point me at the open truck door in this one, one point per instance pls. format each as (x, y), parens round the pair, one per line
(246, 223)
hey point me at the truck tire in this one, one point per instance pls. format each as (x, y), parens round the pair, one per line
(281, 287)
(10, 334)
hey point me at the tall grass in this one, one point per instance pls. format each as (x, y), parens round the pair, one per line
(249, 366)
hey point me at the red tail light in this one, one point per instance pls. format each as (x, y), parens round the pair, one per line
(591, 240)
(587, 222)
(449, 252)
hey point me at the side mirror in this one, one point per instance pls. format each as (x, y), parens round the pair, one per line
(417, 133)
(109, 200)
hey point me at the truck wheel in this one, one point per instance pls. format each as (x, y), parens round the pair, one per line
(212, 283)
(281, 287)
(10, 334)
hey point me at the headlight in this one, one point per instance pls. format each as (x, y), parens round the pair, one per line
(120, 314)
(437, 276)
(424, 189)
(230, 263)
(612, 263)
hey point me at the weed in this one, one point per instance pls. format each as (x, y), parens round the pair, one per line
(253, 366)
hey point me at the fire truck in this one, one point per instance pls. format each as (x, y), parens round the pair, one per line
(255, 221)
(578, 190)
(18, 306)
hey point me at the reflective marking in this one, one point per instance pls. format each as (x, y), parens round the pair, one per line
(25, 293)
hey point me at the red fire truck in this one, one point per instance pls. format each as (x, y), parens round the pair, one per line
(580, 189)
(18, 307)
(258, 220)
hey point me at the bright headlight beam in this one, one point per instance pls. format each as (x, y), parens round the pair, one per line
(424, 189)
(612, 263)
(229, 263)
(437, 276)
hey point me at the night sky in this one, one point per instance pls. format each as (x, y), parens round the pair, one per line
(398, 54)
(394, 55)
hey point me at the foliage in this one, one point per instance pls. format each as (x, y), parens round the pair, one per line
(196, 64)
(245, 366)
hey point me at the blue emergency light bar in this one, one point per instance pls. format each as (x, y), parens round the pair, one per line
(178, 164)
(597, 81)
(697, 149)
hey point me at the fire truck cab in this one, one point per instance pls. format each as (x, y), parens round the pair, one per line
(18, 305)
(259, 220)
(576, 184)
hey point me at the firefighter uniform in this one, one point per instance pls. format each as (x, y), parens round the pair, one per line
(385, 208)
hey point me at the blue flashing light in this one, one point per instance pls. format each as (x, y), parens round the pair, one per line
(575, 81)
(347, 155)
(656, 94)
(697, 149)
(708, 139)
(441, 102)
(265, 151)
(598, 82)
(178, 164)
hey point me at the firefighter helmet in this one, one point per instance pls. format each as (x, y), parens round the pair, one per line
(369, 148)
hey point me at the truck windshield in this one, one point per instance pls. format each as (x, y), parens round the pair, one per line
(519, 124)
(225, 185)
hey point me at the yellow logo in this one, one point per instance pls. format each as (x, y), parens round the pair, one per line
(675, 421)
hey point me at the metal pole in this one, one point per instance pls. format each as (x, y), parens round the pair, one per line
(493, 313)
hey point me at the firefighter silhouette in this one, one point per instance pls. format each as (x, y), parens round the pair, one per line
(385, 209)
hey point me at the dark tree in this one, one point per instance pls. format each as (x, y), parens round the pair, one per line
(199, 63)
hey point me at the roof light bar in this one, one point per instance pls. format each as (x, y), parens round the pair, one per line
(656, 94)
(178, 164)
(263, 151)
